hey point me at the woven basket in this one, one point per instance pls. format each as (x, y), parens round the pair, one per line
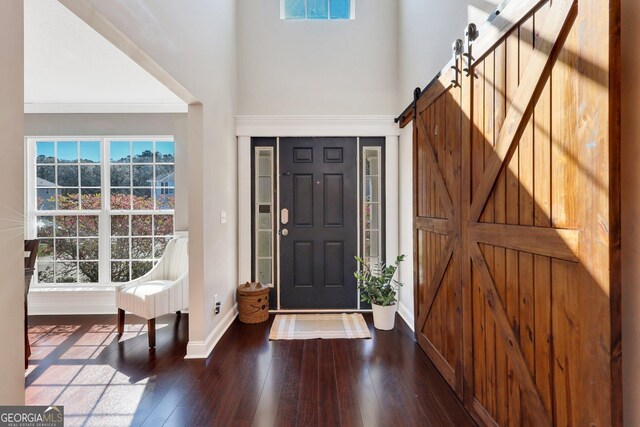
(253, 303)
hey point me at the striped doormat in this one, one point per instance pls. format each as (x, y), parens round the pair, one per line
(313, 326)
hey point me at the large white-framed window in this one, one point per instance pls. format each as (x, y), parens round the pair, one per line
(102, 207)
(317, 9)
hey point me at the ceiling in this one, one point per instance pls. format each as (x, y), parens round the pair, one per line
(69, 67)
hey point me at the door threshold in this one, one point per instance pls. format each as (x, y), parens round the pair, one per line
(326, 310)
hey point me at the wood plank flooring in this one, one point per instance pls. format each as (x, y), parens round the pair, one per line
(248, 380)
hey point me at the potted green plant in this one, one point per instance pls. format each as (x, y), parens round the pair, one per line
(379, 288)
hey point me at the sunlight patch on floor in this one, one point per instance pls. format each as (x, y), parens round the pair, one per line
(92, 391)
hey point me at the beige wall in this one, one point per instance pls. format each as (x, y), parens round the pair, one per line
(631, 211)
(157, 124)
(11, 205)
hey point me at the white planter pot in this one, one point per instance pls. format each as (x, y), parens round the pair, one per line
(384, 317)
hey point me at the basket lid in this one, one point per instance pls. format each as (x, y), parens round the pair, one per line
(251, 288)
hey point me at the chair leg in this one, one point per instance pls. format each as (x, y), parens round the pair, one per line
(120, 321)
(151, 326)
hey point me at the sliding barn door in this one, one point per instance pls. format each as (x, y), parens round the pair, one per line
(437, 131)
(517, 217)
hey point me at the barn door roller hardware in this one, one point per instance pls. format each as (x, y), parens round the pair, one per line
(457, 49)
(416, 95)
(470, 35)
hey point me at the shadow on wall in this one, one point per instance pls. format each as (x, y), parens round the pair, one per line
(479, 10)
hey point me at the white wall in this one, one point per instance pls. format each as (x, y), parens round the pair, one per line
(427, 29)
(11, 208)
(192, 44)
(126, 125)
(67, 62)
(630, 212)
(317, 67)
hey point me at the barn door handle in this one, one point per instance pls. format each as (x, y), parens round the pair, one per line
(457, 50)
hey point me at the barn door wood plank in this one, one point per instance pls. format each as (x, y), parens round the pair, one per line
(552, 36)
(512, 214)
(477, 166)
(416, 233)
(525, 165)
(436, 282)
(434, 225)
(488, 216)
(438, 359)
(542, 218)
(440, 306)
(551, 242)
(453, 116)
(502, 414)
(530, 396)
(598, 160)
(432, 162)
(466, 97)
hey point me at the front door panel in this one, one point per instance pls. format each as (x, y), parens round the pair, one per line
(318, 188)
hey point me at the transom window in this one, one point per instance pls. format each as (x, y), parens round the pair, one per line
(99, 221)
(317, 9)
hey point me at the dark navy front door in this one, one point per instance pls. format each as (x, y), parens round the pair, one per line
(318, 194)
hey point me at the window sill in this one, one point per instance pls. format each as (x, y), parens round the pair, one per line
(71, 288)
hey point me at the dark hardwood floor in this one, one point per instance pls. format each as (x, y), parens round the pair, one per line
(79, 362)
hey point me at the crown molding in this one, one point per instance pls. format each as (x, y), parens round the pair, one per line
(349, 125)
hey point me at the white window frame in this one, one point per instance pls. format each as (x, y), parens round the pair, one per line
(105, 212)
(352, 12)
(257, 205)
(378, 204)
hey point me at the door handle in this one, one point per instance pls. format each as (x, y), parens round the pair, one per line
(284, 232)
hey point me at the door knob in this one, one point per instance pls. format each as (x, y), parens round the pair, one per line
(285, 232)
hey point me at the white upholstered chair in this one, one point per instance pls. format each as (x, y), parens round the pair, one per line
(163, 290)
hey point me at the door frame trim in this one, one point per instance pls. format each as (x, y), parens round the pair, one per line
(313, 126)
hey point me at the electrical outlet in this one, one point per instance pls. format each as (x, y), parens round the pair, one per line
(217, 305)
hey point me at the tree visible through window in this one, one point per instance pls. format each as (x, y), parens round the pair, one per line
(317, 9)
(82, 204)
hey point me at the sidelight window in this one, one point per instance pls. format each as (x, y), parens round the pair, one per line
(372, 204)
(264, 215)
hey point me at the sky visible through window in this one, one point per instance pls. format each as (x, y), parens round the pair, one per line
(317, 9)
(75, 223)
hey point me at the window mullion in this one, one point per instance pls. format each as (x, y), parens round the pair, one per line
(105, 219)
(30, 182)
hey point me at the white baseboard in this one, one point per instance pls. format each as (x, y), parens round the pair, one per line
(407, 315)
(60, 301)
(202, 349)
